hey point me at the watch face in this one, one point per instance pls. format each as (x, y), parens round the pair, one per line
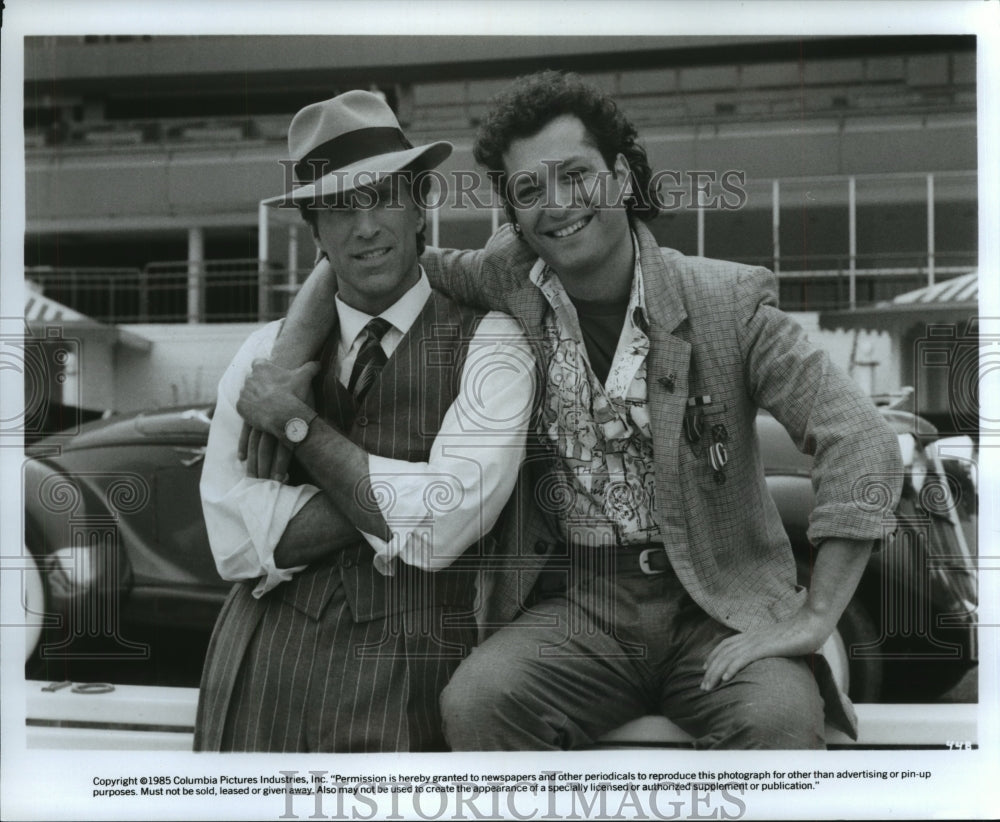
(296, 429)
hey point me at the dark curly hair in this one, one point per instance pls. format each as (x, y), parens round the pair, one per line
(533, 101)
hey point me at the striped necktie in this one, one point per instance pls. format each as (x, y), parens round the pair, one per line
(370, 359)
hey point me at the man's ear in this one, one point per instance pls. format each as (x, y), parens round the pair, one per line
(320, 252)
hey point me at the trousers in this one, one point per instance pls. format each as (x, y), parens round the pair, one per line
(328, 683)
(609, 648)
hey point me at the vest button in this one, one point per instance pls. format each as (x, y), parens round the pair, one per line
(541, 547)
(347, 561)
(361, 421)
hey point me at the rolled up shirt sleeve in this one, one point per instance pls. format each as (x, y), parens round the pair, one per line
(438, 508)
(245, 517)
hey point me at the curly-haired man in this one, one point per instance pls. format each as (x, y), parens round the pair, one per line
(645, 567)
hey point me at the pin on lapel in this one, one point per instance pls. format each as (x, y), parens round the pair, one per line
(694, 425)
(694, 429)
(718, 456)
(694, 420)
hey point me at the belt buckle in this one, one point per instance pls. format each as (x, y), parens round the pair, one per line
(644, 563)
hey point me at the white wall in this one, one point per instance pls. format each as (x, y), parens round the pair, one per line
(842, 347)
(183, 366)
(186, 361)
(95, 379)
(85, 379)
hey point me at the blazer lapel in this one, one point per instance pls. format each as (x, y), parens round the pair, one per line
(667, 369)
(663, 301)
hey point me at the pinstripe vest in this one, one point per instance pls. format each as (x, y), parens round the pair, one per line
(398, 419)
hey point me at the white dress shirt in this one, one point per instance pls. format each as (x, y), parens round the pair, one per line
(434, 509)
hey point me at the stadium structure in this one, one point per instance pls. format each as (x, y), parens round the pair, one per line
(851, 166)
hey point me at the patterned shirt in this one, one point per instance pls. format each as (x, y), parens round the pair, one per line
(603, 489)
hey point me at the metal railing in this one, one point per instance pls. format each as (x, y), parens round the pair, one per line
(243, 290)
(820, 282)
(171, 292)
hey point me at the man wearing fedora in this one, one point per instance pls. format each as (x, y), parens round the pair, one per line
(669, 584)
(350, 611)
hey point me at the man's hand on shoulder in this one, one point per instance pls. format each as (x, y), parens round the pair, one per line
(272, 395)
(309, 321)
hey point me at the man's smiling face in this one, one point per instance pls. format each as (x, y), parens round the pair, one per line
(371, 240)
(568, 203)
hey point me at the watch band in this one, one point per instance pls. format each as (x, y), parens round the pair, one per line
(296, 429)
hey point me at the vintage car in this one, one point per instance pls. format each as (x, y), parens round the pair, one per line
(130, 591)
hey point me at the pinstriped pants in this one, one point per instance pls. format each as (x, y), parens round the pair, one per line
(326, 684)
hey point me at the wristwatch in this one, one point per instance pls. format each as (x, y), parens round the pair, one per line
(297, 429)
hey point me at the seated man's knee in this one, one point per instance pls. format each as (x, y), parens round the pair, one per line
(473, 694)
(492, 703)
(780, 726)
(464, 691)
(777, 705)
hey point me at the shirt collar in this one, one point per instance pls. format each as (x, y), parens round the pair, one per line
(547, 280)
(401, 314)
(637, 314)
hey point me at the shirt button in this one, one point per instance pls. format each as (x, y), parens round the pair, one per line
(361, 421)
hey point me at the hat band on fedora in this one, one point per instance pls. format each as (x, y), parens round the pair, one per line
(347, 149)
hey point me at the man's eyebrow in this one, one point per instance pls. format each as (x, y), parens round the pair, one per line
(525, 178)
(534, 176)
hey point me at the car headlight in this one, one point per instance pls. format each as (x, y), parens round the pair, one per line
(33, 603)
(74, 571)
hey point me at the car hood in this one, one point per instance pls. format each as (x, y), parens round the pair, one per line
(188, 425)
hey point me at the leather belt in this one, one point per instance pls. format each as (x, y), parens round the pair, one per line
(651, 559)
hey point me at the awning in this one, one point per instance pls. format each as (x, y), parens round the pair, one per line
(39, 308)
(952, 301)
(42, 313)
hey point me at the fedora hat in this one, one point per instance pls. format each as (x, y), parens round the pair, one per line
(348, 141)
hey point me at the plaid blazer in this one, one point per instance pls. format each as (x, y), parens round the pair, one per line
(714, 329)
